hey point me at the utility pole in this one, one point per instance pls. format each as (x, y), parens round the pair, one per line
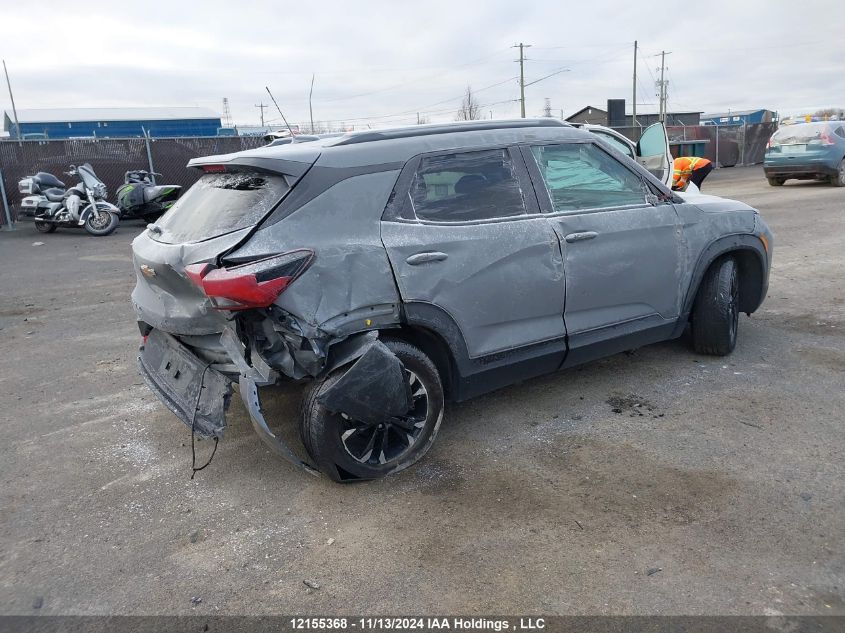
(310, 109)
(12, 99)
(261, 107)
(634, 100)
(662, 93)
(521, 60)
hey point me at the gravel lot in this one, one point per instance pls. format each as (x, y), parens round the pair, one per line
(717, 485)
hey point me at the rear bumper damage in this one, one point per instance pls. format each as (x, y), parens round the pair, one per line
(373, 388)
(199, 395)
(196, 393)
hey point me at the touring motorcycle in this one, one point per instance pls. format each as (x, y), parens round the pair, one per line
(52, 205)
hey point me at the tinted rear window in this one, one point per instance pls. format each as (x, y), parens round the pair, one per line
(800, 134)
(221, 203)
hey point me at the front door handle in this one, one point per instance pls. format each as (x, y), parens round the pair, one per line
(429, 256)
(580, 237)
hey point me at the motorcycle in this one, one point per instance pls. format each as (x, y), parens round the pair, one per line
(140, 198)
(84, 204)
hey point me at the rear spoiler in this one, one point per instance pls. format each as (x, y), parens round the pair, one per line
(290, 160)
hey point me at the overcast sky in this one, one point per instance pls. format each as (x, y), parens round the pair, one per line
(380, 63)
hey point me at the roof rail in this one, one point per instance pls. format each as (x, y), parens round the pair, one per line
(445, 128)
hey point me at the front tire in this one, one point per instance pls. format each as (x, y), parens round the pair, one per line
(45, 227)
(839, 179)
(101, 225)
(346, 450)
(776, 182)
(715, 314)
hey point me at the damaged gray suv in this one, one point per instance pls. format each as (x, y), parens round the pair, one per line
(390, 271)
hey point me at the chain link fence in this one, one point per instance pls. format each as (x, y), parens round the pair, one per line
(725, 145)
(111, 159)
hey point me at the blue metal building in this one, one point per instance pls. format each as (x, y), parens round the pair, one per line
(739, 117)
(62, 123)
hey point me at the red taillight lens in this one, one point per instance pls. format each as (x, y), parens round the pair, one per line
(213, 169)
(254, 284)
(825, 139)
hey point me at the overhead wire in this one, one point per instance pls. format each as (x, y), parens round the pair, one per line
(411, 111)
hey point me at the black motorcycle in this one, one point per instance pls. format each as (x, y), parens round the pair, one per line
(140, 198)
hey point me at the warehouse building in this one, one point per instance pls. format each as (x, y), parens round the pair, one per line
(63, 123)
(599, 116)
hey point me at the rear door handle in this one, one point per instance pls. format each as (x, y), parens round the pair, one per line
(422, 258)
(580, 237)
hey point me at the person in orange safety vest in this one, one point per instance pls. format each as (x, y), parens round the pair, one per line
(690, 169)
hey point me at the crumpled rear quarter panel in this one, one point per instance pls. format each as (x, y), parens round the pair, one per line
(350, 268)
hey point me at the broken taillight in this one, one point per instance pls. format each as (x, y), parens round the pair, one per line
(255, 284)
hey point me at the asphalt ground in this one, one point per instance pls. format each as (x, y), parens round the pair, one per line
(656, 482)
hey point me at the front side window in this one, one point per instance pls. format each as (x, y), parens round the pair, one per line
(466, 186)
(582, 176)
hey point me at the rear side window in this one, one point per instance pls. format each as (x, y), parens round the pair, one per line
(581, 176)
(221, 203)
(466, 186)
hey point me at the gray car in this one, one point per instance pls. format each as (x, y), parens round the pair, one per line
(390, 271)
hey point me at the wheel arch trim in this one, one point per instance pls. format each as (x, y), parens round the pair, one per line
(754, 280)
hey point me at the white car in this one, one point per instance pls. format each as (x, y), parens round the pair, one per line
(652, 150)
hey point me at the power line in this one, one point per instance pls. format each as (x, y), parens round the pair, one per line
(410, 116)
(452, 68)
(425, 108)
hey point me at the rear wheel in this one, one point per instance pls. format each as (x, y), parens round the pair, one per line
(839, 179)
(776, 182)
(102, 223)
(45, 227)
(347, 450)
(715, 314)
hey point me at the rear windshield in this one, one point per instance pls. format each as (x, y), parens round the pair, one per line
(221, 203)
(800, 134)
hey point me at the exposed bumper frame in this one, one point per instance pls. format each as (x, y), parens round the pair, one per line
(218, 391)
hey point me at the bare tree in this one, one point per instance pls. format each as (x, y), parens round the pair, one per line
(470, 109)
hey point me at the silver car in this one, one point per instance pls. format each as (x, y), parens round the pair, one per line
(389, 271)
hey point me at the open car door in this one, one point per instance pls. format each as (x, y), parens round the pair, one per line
(653, 152)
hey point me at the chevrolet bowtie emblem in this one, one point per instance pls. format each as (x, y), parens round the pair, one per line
(148, 271)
